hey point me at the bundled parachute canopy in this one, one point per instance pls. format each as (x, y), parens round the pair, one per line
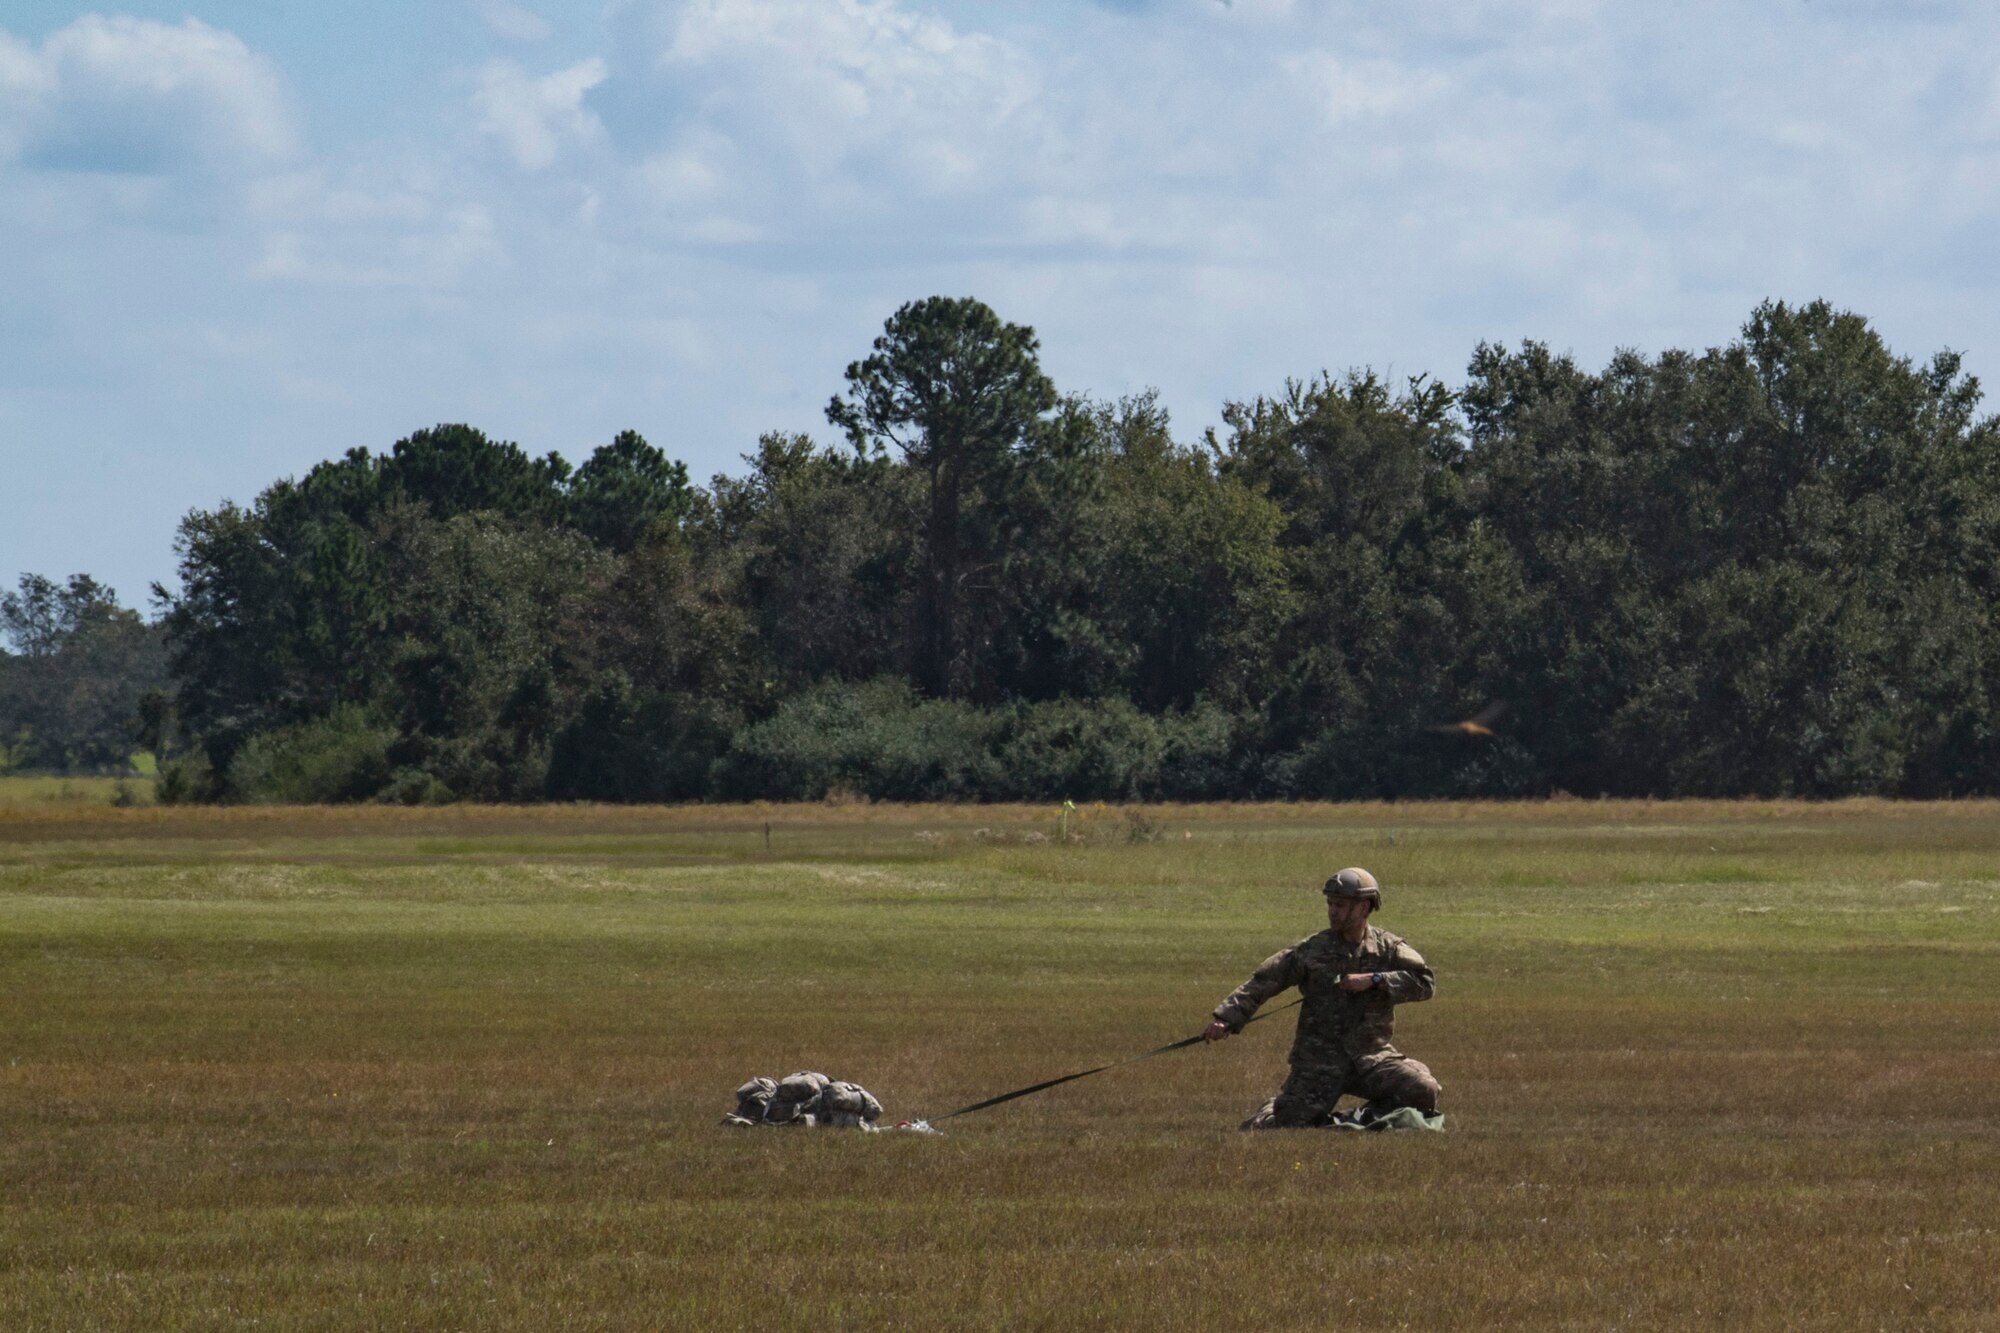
(806, 1099)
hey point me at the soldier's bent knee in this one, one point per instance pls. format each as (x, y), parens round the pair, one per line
(1411, 1084)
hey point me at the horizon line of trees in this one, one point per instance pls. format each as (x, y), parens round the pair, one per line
(1764, 569)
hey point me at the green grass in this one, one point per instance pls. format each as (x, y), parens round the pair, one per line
(1705, 1065)
(18, 791)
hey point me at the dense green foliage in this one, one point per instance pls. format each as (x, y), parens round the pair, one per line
(74, 688)
(1764, 569)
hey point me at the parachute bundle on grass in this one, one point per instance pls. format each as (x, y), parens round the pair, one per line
(808, 1100)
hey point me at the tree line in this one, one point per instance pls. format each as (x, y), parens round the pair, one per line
(1763, 569)
(81, 677)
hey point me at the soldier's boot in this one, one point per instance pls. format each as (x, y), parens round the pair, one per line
(1264, 1118)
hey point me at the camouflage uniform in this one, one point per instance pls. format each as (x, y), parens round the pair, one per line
(1342, 1044)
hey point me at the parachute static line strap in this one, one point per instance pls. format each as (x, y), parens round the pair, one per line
(1086, 1073)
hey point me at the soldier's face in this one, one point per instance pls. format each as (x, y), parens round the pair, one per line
(1345, 913)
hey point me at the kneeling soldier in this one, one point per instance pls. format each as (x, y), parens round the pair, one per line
(1352, 976)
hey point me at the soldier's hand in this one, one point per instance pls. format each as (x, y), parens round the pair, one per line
(1216, 1031)
(1357, 981)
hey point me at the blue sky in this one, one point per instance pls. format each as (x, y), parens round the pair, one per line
(237, 238)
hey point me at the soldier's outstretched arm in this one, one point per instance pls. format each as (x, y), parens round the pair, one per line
(1278, 972)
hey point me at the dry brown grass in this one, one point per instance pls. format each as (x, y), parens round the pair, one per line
(1705, 1065)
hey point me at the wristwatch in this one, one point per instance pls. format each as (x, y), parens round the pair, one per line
(1375, 980)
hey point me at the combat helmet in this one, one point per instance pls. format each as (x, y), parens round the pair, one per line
(1354, 882)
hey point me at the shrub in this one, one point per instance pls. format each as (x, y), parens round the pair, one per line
(933, 750)
(801, 752)
(343, 756)
(624, 746)
(875, 739)
(413, 786)
(187, 780)
(1097, 749)
(1201, 754)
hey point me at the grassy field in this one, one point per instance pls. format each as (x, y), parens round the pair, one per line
(1704, 1065)
(16, 791)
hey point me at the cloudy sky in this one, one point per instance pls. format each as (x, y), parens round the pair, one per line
(238, 236)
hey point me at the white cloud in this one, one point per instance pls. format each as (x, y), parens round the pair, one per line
(691, 173)
(1519, 157)
(412, 222)
(400, 228)
(833, 84)
(315, 197)
(24, 84)
(131, 95)
(535, 118)
(513, 22)
(1349, 90)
